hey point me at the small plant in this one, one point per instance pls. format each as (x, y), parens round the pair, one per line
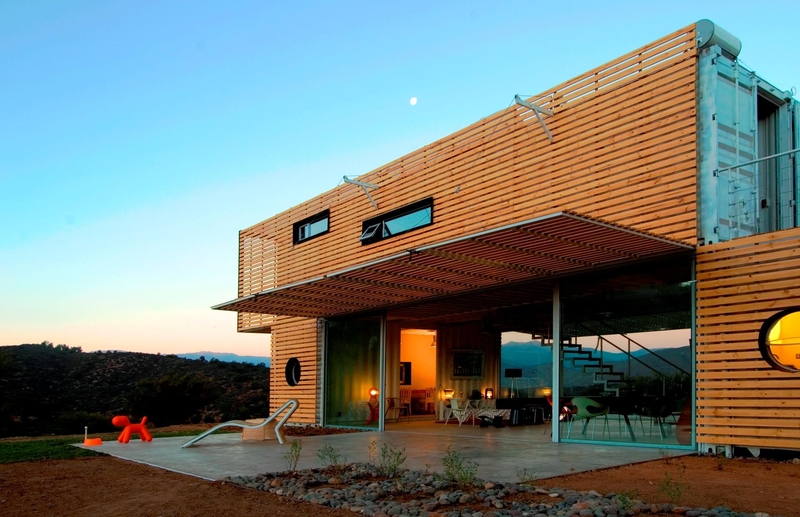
(672, 489)
(391, 459)
(625, 500)
(526, 476)
(373, 451)
(332, 458)
(722, 460)
(292, 456)
(457, 469)
(665, 455)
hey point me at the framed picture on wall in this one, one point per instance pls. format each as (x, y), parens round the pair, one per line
(405, 374)
(467, 364)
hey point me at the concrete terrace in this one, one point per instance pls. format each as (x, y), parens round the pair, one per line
(498, 452)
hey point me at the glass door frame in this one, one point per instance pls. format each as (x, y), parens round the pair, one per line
(323, 373)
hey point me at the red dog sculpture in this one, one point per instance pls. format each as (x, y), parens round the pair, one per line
(131, 429)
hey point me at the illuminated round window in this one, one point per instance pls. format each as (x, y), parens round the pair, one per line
(779, 340)
(293, 371)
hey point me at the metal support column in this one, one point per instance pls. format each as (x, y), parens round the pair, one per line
(382, 377)
(556, 409)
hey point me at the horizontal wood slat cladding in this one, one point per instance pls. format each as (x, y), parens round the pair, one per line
(624, 152)
(295, 337)
(741, 400)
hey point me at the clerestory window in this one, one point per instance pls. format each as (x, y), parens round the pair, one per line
(398, 221)
(310, 227)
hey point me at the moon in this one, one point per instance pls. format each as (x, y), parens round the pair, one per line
(413, 101)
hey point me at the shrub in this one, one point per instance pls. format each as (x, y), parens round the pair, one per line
(625, 500)
(292, 456)
(332, 458)
(75, 421)
(171, 399)
(457, 469)
(526, 476)
(391, 459)
(672, 489)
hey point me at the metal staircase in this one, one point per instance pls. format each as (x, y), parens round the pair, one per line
(604, 374)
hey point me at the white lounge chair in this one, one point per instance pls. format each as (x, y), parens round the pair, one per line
(290, 407)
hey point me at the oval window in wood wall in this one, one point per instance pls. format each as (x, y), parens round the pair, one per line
(779, 340)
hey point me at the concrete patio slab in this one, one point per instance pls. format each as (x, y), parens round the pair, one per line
(499, 453)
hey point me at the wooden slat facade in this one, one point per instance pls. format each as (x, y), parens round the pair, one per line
(300, 338)
(624, 152)
(741, 400)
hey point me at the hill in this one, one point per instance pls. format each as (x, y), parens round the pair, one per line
(58, 389)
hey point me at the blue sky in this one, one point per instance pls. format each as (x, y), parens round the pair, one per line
(138, 138)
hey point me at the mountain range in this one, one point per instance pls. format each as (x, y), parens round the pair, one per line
(536, 362)
(228, 358)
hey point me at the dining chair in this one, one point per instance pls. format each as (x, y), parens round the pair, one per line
(460, 409)
(588, 409)
(394, 409)
(565, 413)
(405, 400)
(430, 400)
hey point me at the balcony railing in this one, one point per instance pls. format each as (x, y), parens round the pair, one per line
(762, 195)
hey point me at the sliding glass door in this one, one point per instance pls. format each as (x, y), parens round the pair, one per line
(352, 373)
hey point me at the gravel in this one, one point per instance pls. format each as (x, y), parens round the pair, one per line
(364, 489)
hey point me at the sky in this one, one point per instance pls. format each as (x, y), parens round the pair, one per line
(138, 138)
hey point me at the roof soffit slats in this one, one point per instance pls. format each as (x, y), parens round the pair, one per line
(549, 246)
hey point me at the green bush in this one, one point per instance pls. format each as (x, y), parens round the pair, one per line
(75, 421)
(171, 399)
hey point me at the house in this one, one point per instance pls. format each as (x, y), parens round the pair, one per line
(650, 200)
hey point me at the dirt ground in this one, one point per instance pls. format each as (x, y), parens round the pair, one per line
(112, 487)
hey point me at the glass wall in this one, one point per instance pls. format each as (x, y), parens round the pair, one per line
(526, 366)
(352, 373)
(626, 357)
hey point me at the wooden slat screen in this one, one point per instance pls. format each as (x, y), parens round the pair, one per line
(258, 270)
(624, 152)
(741, 400)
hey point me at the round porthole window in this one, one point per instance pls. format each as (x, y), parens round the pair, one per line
(293, 371)
(779, 340)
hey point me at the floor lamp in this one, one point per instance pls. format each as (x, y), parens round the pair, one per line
(513, 374)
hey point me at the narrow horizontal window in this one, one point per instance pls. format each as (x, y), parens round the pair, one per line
(310, 227)
(407, 222)
(398, 221)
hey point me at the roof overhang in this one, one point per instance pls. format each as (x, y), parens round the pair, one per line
(546, 247)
